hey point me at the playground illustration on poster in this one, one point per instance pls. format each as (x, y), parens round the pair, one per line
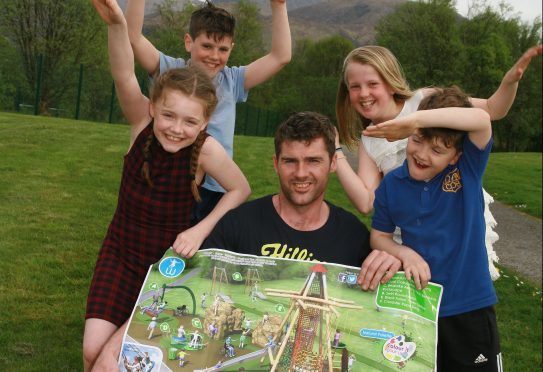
(221, 311)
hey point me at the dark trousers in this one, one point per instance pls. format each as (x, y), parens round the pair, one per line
(469, 342)
(203, 208)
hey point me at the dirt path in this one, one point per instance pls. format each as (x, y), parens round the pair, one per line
(519, 247)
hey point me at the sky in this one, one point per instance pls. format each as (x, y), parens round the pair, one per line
(527, 9)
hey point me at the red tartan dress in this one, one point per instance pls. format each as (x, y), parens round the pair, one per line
(146, 223)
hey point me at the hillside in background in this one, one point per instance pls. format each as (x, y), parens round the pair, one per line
(313, 19)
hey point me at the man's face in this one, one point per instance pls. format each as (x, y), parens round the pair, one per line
(426, 158)
(209, 53)
(303, 170)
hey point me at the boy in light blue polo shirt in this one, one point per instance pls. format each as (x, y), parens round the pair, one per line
(209, 41)
(436, 200)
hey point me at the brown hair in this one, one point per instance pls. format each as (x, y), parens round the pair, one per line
(306, 127)
(350, 123)
(213, 21)
(192, 82)
(445, 97)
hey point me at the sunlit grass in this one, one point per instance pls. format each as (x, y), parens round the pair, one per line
(515, 179)
(58, 192)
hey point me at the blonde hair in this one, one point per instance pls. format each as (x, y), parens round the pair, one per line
(350, 123)
(192, 82)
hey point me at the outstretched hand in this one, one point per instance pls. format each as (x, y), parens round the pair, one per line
(415, 267)
(393, 130)
(109, 11)
(188, 242)
(378, 267)
(515, 73)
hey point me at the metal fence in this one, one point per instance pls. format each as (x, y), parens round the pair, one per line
(250, 121)
(87, 100)
(253, 121)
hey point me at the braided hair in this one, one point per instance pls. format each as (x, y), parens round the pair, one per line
(196, 148)
(192, 82)
(146, 168)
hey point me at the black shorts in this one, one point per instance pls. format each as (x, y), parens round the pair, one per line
(202, 209)
(469, 342)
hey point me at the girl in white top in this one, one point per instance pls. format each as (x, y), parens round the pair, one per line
(373, 90)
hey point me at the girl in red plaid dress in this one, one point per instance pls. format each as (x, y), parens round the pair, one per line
(168, 156)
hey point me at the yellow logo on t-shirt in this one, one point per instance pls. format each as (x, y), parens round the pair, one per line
(452, 181)
(279, 250)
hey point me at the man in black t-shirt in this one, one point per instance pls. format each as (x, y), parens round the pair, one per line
(298, 223)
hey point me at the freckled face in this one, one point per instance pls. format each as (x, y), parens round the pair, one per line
(303, 171)
(369, 94)
(178, 119)
(208, 53)
(427, 158)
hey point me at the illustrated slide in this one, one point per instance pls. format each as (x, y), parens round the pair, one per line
(222, 311)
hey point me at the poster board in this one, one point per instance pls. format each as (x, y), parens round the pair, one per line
(230, 312)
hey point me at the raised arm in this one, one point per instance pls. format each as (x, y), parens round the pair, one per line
(134, 104)
(281, 49)
(146, 54)
(214, 161)
(359, 187)
(500, 102)
(475, 121)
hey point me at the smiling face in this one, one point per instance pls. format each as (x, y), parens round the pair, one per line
(303, 170)
(426, 158)
(209, 53)
(178, 119)
(369, 94)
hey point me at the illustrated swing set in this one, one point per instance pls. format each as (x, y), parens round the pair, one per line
(251, 278)
(217, 280)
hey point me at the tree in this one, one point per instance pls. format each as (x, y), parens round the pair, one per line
(437, 47)
(10, 76)
(64, 33)
(248, 39)
(494, 41)
(423, 36)
(310, 80)
(172, 25)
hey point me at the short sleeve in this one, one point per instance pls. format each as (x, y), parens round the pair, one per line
(474, 158)
(381, 219)
(236, 79)
(223, 236)
(167, 62)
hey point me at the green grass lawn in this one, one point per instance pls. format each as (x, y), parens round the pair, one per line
(515, 179)
(58, 193)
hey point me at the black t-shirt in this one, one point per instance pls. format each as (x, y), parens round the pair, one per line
(256, 228)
